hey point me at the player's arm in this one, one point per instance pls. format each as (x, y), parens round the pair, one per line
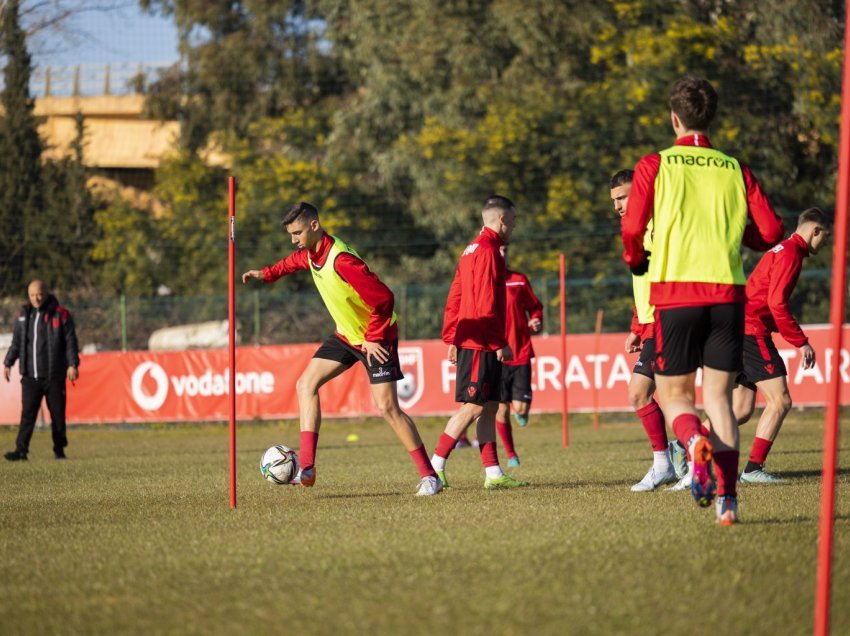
(292, 263)
(15, 348)
(452, 311)
(635, 330)
(764, 227)
(534, 308)
(783, 278)
(639, 212)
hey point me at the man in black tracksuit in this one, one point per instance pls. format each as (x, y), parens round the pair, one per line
(45, 342)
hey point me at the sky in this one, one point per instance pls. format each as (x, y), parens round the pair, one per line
(124, 35)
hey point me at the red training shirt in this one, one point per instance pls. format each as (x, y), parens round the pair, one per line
(475, 308)
(769, 289)
(522, 306)
(643, 330)
(764, 231)
(354, 272)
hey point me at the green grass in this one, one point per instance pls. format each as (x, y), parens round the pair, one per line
(134, 534)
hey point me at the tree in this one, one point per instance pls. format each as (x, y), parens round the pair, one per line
(20, 153)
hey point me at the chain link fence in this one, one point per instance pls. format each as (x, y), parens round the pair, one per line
(274, 315)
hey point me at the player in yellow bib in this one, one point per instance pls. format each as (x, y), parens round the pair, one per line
(366, 331)
(703, 204)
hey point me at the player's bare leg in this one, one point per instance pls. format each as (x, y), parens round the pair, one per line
(318, 372)
(457, 424)
(505, 432)
(641, 390)
(385, 396)
(777, 404)
(676, 394)
(495, 478)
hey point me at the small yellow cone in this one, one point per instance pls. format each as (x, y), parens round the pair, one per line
(352, 437)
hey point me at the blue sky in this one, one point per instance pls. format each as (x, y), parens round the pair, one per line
(124, 35)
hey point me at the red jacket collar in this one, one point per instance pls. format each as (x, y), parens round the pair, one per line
(695, 139)
(486, 231)
(799, 243)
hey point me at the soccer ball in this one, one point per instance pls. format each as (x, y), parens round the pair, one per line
(279, 464)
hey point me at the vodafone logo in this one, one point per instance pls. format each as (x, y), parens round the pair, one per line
(140, 395)
(190, 385)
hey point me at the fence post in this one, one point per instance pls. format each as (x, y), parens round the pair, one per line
(123, 311)
(546, 318)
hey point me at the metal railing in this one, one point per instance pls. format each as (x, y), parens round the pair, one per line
(88, 80)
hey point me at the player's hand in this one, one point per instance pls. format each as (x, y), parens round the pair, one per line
(633, 343)
(808, 355)
(504, 354)
(252, 273)
(453, 354)
(535, 324)
(7, 372)
(375, 350)
(641, 268)
(73, 373)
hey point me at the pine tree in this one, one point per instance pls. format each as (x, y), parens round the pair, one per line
(20, 154)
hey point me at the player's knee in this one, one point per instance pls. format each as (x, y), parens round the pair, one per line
(639, 399)
(780, 404)
(305, 387)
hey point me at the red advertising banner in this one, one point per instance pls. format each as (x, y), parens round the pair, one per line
(193, 385)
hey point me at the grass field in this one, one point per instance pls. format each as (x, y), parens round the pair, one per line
(134, 534)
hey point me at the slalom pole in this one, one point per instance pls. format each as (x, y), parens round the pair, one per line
(597, 334)
(564, 415)
(231, 329)
(836, 318)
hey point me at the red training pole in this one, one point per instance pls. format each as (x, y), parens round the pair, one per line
(564, 416)
(836, 318)
(231, 328)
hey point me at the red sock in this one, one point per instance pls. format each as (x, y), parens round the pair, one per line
(422, 461)
(307, 452)
(489, 455)
(653, 423)
(445, 446)
(506, 434)
(685, 426)
(759, 451)
(704, 430)
(726, 468)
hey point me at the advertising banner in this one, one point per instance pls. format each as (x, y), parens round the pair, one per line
(139, 386)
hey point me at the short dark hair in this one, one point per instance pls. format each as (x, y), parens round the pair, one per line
(498, 202)
(300, 210)
(622, 178)
(694, 101)
(813, 215)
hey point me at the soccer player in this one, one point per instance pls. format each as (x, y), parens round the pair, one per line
(366, 331)
(704, 204)
(641, 339)
(474, 330)
(524, 316)
(768, 292)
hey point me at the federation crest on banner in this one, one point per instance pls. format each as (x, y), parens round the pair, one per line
(411, 387)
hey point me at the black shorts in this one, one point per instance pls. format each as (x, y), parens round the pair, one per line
(645, 364)
(479, 374)
(687, 338)
(516, 383)
(336, 349)
(761, 362)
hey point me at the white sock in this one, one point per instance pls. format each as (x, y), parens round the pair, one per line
(493, 471)
(439, 463)
(661, 461)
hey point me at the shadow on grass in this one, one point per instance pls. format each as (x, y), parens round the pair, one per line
(771, 521)
(365, 495)
(796, 474)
